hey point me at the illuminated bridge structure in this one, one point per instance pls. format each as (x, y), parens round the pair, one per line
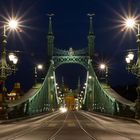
(97, 96)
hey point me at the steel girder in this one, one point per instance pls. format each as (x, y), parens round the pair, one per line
(59, 60)
(97, 98)
(43, 99)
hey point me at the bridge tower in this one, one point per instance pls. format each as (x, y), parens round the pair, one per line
(91, 37)
(79, 85)
(50, 38)
(96, 96)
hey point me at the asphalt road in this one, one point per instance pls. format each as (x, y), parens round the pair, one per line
(75, 125)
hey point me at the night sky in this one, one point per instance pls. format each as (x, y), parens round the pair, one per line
(70, 27)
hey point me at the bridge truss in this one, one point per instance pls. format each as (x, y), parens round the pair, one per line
(97, 97)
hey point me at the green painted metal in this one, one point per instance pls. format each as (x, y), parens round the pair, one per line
(44, 99)
(99, 98)
(91, 37)
(59, 60)
(50, 37)
(80, 52)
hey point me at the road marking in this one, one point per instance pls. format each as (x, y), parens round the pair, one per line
(71, 125)
(89, 124)
(52, 125)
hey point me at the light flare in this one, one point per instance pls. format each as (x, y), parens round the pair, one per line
(63, 109)
(102, 66)
(131, 55)
(40, 66)
(130, 23)
(13, 24)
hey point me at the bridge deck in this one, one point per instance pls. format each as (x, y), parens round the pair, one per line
(116, 96)
(74, 125)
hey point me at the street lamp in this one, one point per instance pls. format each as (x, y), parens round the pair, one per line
(135, 67)
(52, 77)
(37, 67)
(104, 67)
(14, 59)
(130, 55)
(129, 60)
(89, 77)
(13, 24)
(5, 69)
(130, 23)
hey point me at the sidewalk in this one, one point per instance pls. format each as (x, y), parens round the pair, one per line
(28, 117)
(119, 117)
(138, 121)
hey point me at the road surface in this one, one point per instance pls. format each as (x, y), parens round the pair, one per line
(74, 125)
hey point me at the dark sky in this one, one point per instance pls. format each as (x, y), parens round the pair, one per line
(70, 27)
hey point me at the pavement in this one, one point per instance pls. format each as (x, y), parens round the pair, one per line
(27, 117)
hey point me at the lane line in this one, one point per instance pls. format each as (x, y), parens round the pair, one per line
(92, 137)
(91, 118)
(59, 130)
(28, 131)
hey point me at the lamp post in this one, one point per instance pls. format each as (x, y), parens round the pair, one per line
(5, 68)
(135, 67)
(37, 67)
(104, 67)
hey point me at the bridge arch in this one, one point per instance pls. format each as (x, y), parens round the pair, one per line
(60, 60)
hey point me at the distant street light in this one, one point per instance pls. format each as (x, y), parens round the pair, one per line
(104, 67)
(52, 77)
(40, 66)
(134, 67)
(89, 77)
(37, 67)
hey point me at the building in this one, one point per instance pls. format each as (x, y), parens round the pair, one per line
(69, 101)
(16, 93)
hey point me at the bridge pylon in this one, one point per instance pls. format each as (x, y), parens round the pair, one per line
(97, 96)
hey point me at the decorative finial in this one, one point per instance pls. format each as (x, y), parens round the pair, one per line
(90, 15)
(91, 24)
(50, 15)
(50, 23)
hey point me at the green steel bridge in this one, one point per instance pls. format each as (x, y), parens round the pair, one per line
(98, 97)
